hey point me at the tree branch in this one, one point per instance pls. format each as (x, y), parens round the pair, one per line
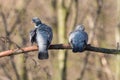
(57, 46)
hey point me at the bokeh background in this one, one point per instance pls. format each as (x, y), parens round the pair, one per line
(101, 19)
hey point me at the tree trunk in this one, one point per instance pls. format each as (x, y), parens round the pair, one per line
(117, 37)
(61, 15)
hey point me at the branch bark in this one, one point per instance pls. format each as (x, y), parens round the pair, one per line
(57, 46)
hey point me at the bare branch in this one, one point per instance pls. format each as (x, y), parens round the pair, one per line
(57, 46)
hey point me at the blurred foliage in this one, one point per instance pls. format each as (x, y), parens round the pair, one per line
(101, 19)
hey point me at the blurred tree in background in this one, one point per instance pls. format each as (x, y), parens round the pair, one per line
(102, 22)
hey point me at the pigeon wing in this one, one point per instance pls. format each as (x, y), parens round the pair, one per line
(33, 36)
(49, 32)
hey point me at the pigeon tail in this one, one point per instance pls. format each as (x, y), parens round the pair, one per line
(78, 48)
(43, 55)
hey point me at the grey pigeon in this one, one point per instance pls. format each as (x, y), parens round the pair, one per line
(78, 39)
(42, 35)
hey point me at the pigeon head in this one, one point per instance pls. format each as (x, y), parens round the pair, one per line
(80, 27)
(36, 20)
